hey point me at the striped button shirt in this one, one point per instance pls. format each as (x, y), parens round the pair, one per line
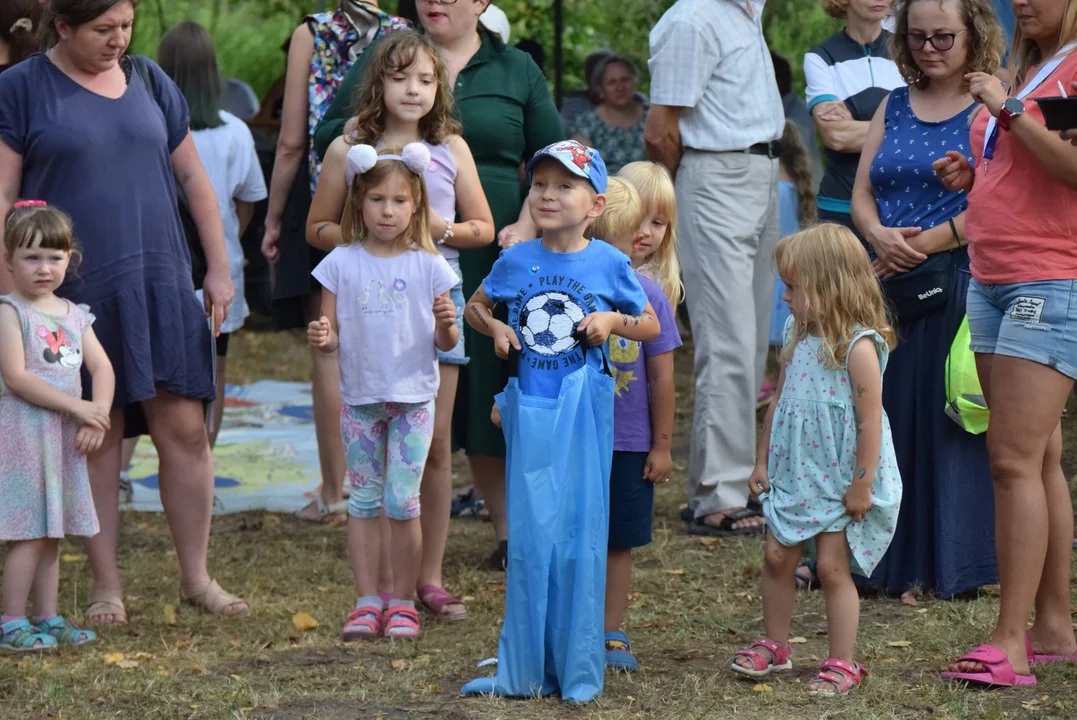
(710, 57)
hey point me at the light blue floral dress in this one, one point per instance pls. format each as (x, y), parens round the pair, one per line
(812, 458)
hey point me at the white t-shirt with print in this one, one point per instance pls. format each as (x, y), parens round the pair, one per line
(385, 313)
(227, 152)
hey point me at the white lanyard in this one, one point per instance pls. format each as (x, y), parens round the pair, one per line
(1045, 71)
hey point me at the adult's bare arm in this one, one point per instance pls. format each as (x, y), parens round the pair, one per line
(662, 135)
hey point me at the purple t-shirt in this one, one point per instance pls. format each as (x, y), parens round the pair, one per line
(631, 404)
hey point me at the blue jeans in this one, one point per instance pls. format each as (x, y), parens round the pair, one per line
(456, 356)
(1034, 321)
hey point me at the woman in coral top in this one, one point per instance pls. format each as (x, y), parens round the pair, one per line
(1022, 308)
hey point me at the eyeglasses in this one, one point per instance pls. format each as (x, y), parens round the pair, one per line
(939, 41)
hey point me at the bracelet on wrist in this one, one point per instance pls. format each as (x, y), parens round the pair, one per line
(448, 234)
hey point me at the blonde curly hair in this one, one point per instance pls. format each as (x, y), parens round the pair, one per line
(983, 40)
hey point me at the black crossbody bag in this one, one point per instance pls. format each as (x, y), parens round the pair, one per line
(923, 290)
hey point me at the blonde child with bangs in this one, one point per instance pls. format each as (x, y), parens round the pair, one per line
(654, 254)
(405, 98)
(826, 473)
(387, 307)
(643, 409)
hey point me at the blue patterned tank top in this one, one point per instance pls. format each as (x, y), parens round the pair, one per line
(906, 189)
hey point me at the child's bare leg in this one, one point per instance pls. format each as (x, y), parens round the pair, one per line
(47, 581)
(779, 593)
(842, 600)
(618, 584)
(364, 545)
(20, 568)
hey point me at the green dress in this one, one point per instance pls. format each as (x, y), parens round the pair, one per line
(508, 115)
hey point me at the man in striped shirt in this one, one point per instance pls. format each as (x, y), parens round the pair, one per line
(715, 121)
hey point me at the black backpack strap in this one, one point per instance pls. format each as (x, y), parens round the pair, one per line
(140, 66)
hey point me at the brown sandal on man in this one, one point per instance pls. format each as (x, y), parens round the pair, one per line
(106, 603)
(213, 599)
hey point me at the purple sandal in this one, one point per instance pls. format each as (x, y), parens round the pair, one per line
(435, 599)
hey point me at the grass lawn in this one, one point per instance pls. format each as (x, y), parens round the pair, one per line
(696, 602)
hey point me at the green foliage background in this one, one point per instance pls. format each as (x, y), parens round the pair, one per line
(249, 33)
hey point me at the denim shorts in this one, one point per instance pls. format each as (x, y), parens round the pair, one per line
(1034, 321)
(456, 356)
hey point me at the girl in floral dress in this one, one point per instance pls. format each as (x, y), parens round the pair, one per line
(46, 428)
(826, 473)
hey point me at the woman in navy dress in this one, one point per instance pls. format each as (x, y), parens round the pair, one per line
(81, 130)
(945, 539)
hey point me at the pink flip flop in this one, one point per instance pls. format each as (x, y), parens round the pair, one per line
(1000, 672)
(436, 599)
(1035, 658)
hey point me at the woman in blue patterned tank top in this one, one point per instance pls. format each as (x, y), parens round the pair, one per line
(944, 541)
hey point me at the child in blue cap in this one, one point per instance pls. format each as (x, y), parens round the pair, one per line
(565, 295)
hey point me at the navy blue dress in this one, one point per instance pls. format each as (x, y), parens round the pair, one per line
(107, 164)
(945, 539)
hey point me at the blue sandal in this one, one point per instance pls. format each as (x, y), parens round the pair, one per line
(19, 636)
(619, 652)
(67, 634)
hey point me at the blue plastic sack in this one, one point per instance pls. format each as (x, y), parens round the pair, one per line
(558, 460)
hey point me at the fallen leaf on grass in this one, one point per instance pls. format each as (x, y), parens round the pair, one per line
(899, 643)
(170, 614)
(710, 541)
(798, 640)
(820, 632)
(467, 599)
(907, 599)
(399, 664)
(922, 611)
(302, 622)
(678, 571)
(127, 664)
(113, 658)
(890, 660)
(143, 656)
(762, 687)
(236, 642)
(73, 557)
(161, 672)
(196, 670)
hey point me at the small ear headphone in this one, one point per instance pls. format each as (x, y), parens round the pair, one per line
(363, 158)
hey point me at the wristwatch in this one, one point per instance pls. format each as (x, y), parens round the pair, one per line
(1010, 109)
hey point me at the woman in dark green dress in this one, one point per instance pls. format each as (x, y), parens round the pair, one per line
(507, 113)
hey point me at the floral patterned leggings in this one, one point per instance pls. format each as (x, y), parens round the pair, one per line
(386, 445)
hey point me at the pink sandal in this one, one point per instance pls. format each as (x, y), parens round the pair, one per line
(843, 676)
(401, 618)
(364, 623)
(761, 667)
(999, 670)
(436, 599)
(1035, 658)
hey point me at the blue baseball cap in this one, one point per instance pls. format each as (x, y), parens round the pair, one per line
(578, 159)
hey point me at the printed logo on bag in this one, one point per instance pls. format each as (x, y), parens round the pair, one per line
(929, 293)
(1027, 308)
(546, 318)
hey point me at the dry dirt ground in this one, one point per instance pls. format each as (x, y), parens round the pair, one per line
(695, 604)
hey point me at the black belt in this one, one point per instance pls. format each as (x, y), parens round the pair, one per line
(770, 149)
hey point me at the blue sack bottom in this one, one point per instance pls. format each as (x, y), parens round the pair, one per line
(559, 453)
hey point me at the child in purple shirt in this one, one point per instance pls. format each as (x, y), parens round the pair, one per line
(642, 423)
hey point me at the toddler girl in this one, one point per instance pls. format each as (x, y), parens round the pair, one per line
(654, 254)
(386, 304)
(407, 98)
(643, 408)
(46, 428)
(826, 471)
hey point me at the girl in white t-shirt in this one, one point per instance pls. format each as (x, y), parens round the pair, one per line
(386, 305)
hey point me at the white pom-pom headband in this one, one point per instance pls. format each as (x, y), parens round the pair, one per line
(363, 158)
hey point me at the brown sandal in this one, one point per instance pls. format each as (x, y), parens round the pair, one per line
(213, 599)
(106, 602)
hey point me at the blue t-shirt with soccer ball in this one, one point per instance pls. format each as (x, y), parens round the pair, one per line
(548, 294)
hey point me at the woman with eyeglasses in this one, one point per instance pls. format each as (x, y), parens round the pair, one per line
(848, 75)
(915, 228)
(1021, 180)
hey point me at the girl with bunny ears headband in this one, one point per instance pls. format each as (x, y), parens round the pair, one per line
(374, 200)
(406, 98)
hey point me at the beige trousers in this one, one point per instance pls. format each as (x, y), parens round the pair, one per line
(727, 210)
